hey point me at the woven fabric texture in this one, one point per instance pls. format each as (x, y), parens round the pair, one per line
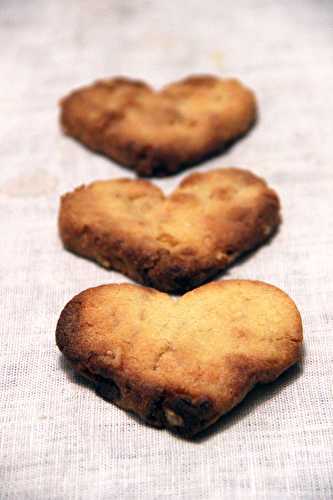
(58, 440)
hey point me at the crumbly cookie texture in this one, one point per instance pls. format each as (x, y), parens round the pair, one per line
(158, 133)
(180, 364)
(172, 243)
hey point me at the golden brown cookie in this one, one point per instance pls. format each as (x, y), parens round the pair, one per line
(158, 133)
(170, 243)
(180, 364)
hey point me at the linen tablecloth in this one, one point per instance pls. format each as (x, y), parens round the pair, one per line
(58, 440)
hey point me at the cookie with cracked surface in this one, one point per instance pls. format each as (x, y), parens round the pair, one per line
(180, 364)
(172, 243)
(158, 133)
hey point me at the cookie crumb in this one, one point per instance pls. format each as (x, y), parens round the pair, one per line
(172, 418)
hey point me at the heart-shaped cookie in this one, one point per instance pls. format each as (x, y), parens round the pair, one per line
(180, 364)
(171, 243)
(157, 133)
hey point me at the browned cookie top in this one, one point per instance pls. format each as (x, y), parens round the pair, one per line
(180, 364)
(174, 242)
(157, 133)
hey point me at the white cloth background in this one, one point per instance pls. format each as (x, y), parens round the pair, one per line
(58, 440)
